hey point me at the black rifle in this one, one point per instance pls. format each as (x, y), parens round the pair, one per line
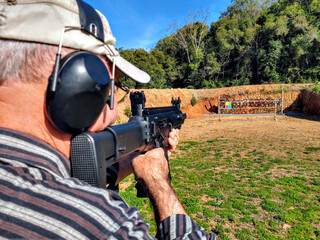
(92, 153)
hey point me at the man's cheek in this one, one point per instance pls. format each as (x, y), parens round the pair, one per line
(114, 114)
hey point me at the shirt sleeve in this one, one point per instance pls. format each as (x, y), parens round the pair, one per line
(112, 175)
(181, 227)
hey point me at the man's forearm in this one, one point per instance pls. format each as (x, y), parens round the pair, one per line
(151, 170)
(125, 166)
(164, 200)
(161, 194)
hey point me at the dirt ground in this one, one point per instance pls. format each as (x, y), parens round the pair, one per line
(285, 130)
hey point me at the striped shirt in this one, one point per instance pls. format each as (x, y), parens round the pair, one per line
(40, 200)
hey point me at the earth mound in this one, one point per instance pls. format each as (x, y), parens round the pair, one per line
(205, 101)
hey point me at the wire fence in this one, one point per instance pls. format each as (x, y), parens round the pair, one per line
(250, 106)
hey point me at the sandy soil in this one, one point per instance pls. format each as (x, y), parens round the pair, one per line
(285, 130)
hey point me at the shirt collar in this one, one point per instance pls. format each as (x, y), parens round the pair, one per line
(24, 148)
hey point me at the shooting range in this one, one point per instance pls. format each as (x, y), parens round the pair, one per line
(247, 173)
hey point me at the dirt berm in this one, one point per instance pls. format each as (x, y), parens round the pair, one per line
(295, 98)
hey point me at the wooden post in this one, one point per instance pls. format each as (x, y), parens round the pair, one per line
(282, 101)
(219, 111)
(275, 110)
(247, 110)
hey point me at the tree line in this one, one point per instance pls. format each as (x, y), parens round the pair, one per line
(253, 42)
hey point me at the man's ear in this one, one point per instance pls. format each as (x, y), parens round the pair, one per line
(80, 94)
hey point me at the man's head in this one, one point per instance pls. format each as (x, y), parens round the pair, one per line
(74, 25)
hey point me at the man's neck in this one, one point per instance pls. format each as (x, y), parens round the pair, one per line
(22, 108)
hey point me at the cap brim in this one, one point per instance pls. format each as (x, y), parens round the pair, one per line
(129, 70)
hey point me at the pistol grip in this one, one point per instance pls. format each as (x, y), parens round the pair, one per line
(140, 191)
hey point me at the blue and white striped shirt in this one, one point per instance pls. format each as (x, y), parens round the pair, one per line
(40, 200)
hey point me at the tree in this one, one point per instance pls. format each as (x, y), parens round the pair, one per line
(253, 42)
(293, 25)
(190, 37)
(173, 62)
(148, 63)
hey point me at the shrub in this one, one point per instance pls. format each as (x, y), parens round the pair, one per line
(127, 112)
(193, 101)
(316, 89)
(277, 90)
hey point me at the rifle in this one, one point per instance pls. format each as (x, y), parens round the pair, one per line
(93, 152)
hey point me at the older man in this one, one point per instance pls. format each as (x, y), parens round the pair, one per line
(58, 66)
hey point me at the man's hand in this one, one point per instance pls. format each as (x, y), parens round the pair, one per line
(151, 166)
(173, 140)
(152, 171)
(125, 168)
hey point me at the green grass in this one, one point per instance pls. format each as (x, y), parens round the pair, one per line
(316, 89)
(311, 149)
(237, 191)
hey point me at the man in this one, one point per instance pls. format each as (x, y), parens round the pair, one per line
(38, 198)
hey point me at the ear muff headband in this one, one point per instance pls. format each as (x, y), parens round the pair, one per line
(79, 85)
(81, 92)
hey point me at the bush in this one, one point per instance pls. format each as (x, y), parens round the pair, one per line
(193, 101)
(190, 87)
(316, 89)
(127, 112)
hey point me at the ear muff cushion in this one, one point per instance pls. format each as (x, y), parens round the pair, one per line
(81, 94)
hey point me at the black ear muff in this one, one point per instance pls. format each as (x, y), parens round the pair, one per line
(81, 92)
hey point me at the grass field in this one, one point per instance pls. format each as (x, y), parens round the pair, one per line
(240, 188)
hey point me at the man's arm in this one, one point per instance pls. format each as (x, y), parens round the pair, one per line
(151, 170)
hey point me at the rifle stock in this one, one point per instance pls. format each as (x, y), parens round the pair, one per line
(92, 153)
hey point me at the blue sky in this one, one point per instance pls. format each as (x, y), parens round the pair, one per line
(142, 23)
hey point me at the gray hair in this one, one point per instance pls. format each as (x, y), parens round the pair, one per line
(24, 61)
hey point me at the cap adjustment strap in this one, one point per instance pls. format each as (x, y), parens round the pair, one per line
(90, 20)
